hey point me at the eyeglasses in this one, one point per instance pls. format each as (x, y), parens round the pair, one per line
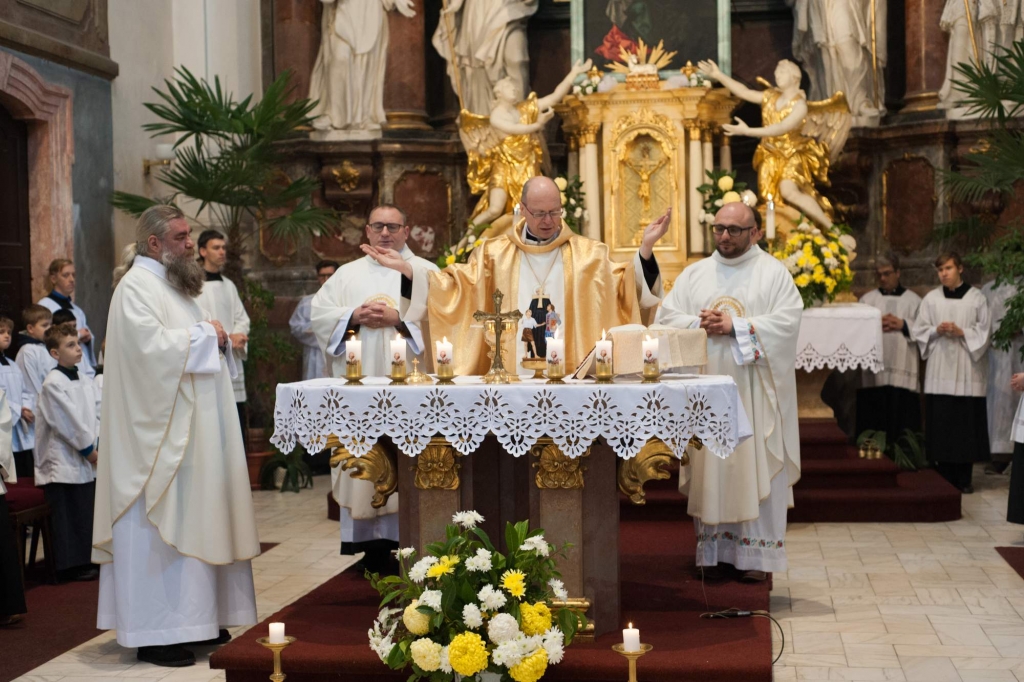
(392, 227)
(541, 215)
(733, 230)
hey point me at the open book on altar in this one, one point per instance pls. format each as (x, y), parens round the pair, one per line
(676, 348)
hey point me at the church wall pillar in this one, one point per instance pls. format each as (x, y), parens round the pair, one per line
(591, 183)
(573, 155)
(707, 150)
(296, 40)
(725, 153)
(926, 46)
(405, 79)
(695, 171)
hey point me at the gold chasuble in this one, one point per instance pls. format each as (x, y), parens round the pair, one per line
(599, 294)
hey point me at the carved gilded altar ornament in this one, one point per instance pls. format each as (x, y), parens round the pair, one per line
(579, 605)
(650, 464)
(437, 467)
(641, 67)
(377, 466)
(347, 176)
(555, 471)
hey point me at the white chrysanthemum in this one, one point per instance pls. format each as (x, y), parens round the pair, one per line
(426, 653)
(709, 218)
(816, 232)
(848, 242)
(701, 216)
(554, 645)
(831, 263)
(576, 90)
(578, 212)
(480, 562)
(793, 268)
(406, 552)
(508, 654)
(431, 598)
(748, 198)
(418, 572)
(719, 203)
(381, 633)
(446, 666)
(467, 519)
(472, 617)
(536, 544)
(502, 628)
(491, 598)
(558, 588)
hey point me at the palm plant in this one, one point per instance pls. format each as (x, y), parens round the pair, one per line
(987, 178)
(227, 160)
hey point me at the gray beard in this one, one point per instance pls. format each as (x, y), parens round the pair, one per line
(184, 273)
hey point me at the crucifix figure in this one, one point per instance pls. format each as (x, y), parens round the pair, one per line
(498, 374)
(645, 168)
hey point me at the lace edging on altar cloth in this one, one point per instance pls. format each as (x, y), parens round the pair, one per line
(308, 415)
(843, 359)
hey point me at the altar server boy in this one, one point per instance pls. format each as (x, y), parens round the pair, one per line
(65, 453)
(35, 363)
(11, 382)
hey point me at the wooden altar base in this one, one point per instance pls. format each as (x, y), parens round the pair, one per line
(660, 594)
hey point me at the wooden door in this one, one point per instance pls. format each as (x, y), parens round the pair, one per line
(15, 264)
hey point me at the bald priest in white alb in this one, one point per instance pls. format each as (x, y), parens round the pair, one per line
(364, 300)
(751, 310)
(174, 527)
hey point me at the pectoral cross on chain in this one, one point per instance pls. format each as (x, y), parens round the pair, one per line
(498, 374)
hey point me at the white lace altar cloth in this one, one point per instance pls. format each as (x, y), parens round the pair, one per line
(840, 336)
(573, 415)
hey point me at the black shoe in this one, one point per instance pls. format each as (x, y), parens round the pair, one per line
(167, 656)
(87, 574)
(223, 638)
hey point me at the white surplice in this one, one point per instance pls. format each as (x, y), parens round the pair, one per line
(363, 281)
(899, 352)
(35, 363)
(12, 383)
(220, 298)
(88, 363)
(1001, 400)
(174, 525)
(67, 422)
(739, 503)
(7, 472)
(956, 365)
(301, 324)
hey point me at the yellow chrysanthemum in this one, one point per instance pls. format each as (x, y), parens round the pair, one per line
(808, 248)
(415, 622)
(725, 183)
(802, 280)
(449, 260)
(531, 668)
(536, 618)
(778, 255)
(426, 654)
(814, 261)
(467, 654)
(801, 261)
(830, 284)
(477, 243)
(818, 277)
(731, 197)
(820, 241)
(818, 270)
(834, 246)
(444, 566)
(514, 582)
(460, 252)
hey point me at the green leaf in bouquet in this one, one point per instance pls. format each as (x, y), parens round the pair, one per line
(466, 592)
(511, 538)
(484, 539)
(512, 607)
(396, 657)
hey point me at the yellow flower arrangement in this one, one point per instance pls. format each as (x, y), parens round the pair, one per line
(531, 668)
(426, 654)
(536, 618)
(467, 654)
(444, 566)
(818, 261)
(514, 582)
(415, 622)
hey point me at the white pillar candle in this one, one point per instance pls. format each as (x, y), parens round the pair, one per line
(398, 347)
(277, 633)
(556, 351)
(353, 350)
(650, 350)
(444, 351)
(604, 348)
(631, 639)
(769, 221)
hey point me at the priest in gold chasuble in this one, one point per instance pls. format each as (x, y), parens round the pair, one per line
(539, 261)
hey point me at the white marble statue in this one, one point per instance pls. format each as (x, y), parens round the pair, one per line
(838, 42)
(1011, 23)
(490, 44)
(985, 15)
(348, 76)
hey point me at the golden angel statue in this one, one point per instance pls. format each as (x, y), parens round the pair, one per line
(799, 139)
(506, 148)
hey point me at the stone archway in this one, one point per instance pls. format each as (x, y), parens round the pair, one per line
(46, 109)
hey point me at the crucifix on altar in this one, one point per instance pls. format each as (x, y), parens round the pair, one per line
(499, 320)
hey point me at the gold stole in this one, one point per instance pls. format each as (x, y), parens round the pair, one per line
(599, 294)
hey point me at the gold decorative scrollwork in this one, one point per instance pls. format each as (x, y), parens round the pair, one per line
(650, 464)
(377, 466)
(579, 605)
(437, 467)
(347, 176)
(555, 471)
(645, 117)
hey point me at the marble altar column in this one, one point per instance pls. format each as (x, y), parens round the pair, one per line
(707, 150)
(694, 173)
(591, 181)
(405, 76)
(926, 54)
(725, 153)
(573, 155)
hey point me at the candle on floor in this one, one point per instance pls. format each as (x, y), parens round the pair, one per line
(398, 347)
(631, 639)
(277, 633)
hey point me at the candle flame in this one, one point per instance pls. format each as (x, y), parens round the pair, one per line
(631, 625)
(398, 336)
(648, 337)
(602, 335)
(444, 339)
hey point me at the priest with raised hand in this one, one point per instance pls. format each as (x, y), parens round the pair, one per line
(540, 261)
(890, 401)
(174, 528)
(751, 310)
(365, 300)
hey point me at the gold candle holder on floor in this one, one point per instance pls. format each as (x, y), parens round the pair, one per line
(277, 676)
(652, 372)
(354, 372)
(398, 374)
(445, 374)
(632, 657)
(605, 372)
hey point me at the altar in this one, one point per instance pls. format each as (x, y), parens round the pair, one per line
(573, 447)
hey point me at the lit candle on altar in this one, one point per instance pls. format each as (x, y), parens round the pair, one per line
(604, 348)
(631, 639)
(353, 351)
(650, 350)
(398, 347)
(277, 633)
(556, 351)
(769, 220)
(444, 351)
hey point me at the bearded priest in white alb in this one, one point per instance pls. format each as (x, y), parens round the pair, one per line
(751, 310)
(174, 526)
(539, 261)
(364, 300)
(1001, 400)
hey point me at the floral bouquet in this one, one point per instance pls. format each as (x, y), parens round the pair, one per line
(572, 192)
(466, 609)
(721, 190)
(819, 261)
(587, 84)
(459, 251)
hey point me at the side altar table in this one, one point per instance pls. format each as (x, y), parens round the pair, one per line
(573, 447)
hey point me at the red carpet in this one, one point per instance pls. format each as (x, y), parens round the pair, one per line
(659, 595)
(1015, 557)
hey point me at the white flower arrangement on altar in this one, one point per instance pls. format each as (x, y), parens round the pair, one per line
(588, 83)
(722, 189)
(572, 194)
(465, 608)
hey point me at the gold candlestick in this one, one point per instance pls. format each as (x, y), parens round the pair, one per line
(354, 372)
(632, 657)
(556, 370)
(398, 374)
(277, 676)
(445, 373)
(605, 372)
(651, 372)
